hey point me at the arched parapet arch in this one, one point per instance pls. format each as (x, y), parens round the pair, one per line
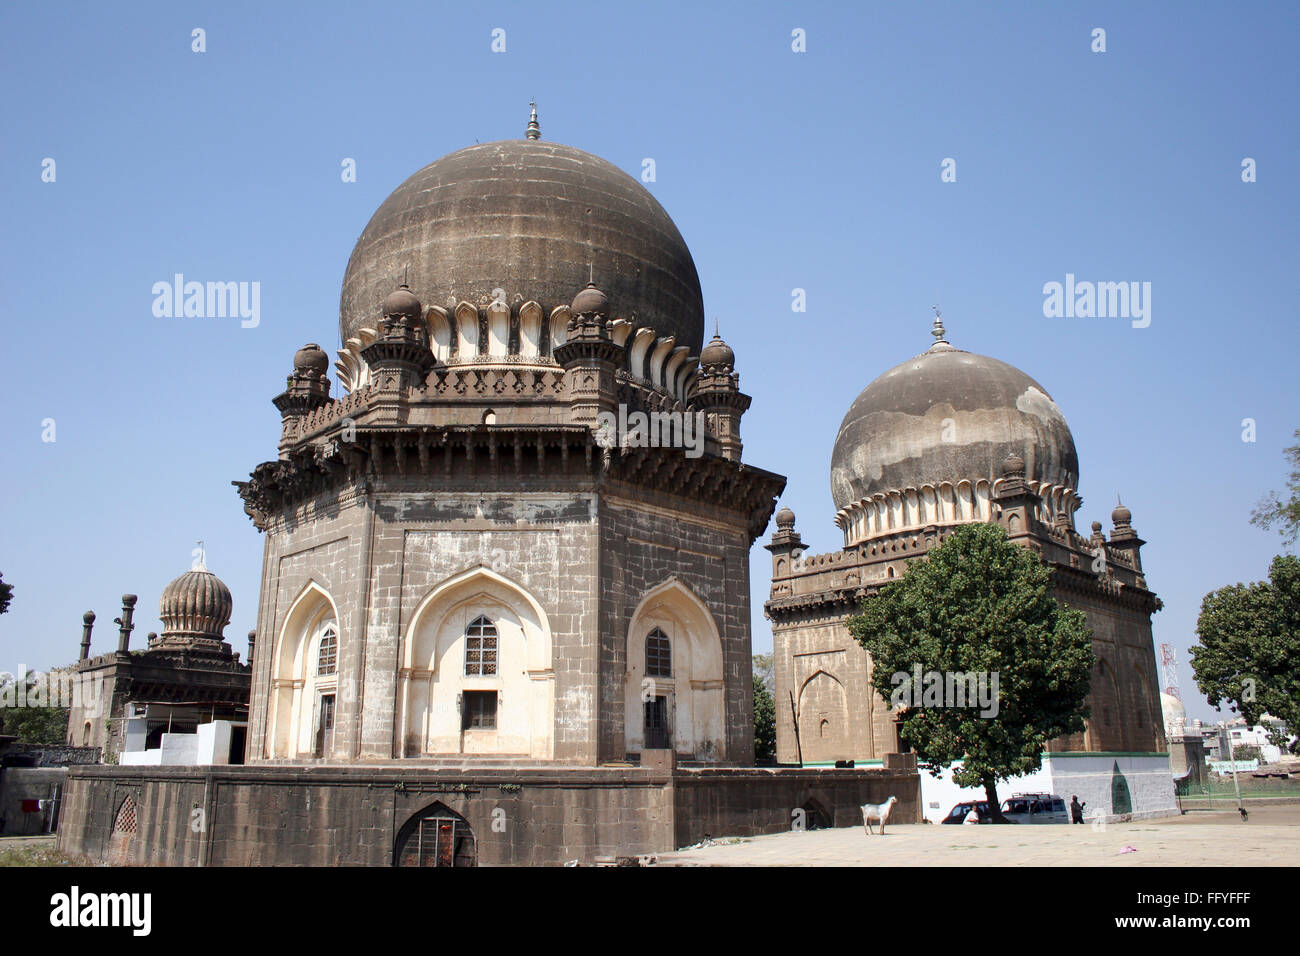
(822, 708)
(531, 319)
(475, 671)
(300, 719)
(689, 700)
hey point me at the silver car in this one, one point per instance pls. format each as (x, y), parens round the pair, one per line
(1035, 808)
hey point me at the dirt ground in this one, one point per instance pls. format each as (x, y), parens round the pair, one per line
(1271, 837)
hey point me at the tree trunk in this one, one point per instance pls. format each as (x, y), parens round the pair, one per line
(991, 795)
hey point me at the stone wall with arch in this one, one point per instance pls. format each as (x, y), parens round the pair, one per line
(433, 678)
(694, 689)
(294, 711)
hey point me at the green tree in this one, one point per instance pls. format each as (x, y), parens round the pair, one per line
(1249, 647)
(1247, 752)
(764, 708)
(764, 722)
(32, 725)
(1272, 510)
(6, 594)
(766, 671)
(979, 604)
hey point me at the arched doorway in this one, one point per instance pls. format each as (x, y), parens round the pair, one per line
(476, 674)
(674, 691)
(304, 694)
(437, 836)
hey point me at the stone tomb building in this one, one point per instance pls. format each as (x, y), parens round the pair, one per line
(484, 574)
(508, 569)
(185, 678)
(946, 438)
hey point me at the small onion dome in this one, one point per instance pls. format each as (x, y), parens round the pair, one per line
(402, 301)
(785, 520)
(88, 617)
(311, 358)
(1121, 516)
(718, 352)
(196, 604)
(590, 301)
(1096, 527)
(1013, 465)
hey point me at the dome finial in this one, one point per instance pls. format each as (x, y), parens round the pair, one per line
(200, 558)
(938, 331)
(534, 130)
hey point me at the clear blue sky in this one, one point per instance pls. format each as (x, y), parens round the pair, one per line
(818, 170)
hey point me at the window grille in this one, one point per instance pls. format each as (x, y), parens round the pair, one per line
(480, 710)
(328, 658)
(658, 655)
(480, 648)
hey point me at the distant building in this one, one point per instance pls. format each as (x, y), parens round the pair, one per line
(944, 439)
(145, 701)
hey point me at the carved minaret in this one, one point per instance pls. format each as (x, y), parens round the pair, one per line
(399, 358)
(718, 395)
(590, 357)
(87, 624)
(124, 625)
(306, 389)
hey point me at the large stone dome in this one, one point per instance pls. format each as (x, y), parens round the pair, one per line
(533, 218)
(949, 416)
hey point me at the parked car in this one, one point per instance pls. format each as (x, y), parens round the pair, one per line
(958, 813)
(1035, 808)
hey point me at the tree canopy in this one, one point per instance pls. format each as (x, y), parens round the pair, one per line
(764, 714)
(31, 725)
(1249, 647)
(979, 605)
(1272, 510)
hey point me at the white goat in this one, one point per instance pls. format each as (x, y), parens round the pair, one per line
(877, 812)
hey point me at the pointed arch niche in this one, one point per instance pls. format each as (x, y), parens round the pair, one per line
(302, 696)
(823, 718)
(453, 697)
(692, 704)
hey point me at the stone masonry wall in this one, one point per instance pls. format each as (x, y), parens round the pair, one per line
(327, 816)
(642, 547)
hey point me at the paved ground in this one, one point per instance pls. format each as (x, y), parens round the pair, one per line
(1270, 838)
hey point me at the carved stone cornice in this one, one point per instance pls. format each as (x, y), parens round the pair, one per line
(468, 456)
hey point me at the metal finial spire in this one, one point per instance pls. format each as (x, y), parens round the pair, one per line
(534, 130)
(716, 333)
(200, 558)
(938, 331)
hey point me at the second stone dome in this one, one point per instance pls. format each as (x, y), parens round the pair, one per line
(949, 416)
(535, 219)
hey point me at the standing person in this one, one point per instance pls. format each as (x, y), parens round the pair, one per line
(1076, 810)
(973, 816)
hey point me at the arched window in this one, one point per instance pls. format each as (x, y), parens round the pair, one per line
(658, 655)
(327, 661)
(480, 648)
